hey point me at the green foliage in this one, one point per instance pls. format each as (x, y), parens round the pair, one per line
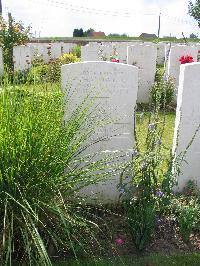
(141, 221)
(41, 72)
(148, 194)
(69, 58)
(153, 175)
(53, 71)
(81, 33)
(188, 214)
(78, 33)
(88, 32)
(39, 208)
(77, 51)
(162, 91)
(193, 36)
(194, 10)
(11, 34)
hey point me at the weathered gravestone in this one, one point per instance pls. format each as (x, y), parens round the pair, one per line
(173, 63)
(1, 62)
(187, 123)
(94, 52)
(55, 50)
(41, 50)
(22, 57)
(104, 52)
(67, 47)
(144, 57)
(115, 87)
(161, 53)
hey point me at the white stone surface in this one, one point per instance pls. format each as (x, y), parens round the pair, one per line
(1, 62)
(115, 87)
(67, 47)
(22, 57)
(144, 57)
(173, 64)
(41, 49)
(161, 53)
(90, 53)
(95, 52)
(56, 50)
(187, 122)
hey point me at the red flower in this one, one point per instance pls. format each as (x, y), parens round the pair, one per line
(115, 60)
(186, 59)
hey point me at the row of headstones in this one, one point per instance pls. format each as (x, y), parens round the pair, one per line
(24, 54)
(115, 87)
(145, 56)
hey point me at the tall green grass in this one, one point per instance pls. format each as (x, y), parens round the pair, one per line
(41, 169)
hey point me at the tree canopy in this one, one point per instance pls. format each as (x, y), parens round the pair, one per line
(194, 10)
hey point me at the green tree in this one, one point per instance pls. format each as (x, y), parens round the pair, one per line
(194, 10)
(88, 32)
(11, 34)
(193, 36)
(78, 33)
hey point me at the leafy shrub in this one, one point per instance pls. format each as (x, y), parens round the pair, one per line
(141, 221)
(37, 74)
(53, 71)
(39, 207)
(188, 214)
(12, 33)
(153, 173)
(77, 51)
(68, 58)
(162, 92)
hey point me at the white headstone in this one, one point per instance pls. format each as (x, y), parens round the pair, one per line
(67, 47)
(22, 57)
(55, 50)
(144, 57)
(173, 64)
(115, 87)
(104, 52)
(41, 50)
(187, 122)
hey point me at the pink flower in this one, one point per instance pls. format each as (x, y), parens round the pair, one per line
(119, 241)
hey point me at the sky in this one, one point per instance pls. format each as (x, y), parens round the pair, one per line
(60, 17)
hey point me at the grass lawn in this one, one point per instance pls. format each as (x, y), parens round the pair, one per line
(154, 260)
(166, 123)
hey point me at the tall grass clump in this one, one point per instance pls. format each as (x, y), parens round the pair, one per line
(41, 169)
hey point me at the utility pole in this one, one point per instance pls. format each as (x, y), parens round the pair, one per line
(0, 8)
(159, 22)
(10, 47)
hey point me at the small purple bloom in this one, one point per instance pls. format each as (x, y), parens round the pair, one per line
(158, 142)
(152, 126)
(135, 153)
(122, 190)
(144, 165)
(159, 193)
(158, 220)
